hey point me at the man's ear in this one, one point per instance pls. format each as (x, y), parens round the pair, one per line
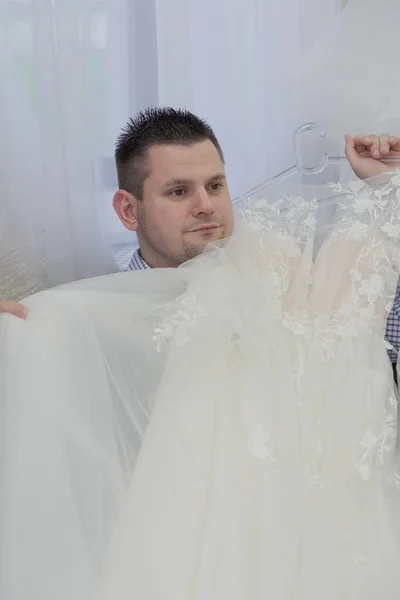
(125, 205)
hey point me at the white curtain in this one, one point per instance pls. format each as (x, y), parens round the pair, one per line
(73, 71)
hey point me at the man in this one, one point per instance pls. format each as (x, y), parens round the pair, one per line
(174, 193)
(173, 189)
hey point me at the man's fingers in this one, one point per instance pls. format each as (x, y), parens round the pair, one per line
(362, 140)
(374, 148)
(350, 149)
(362, 149)
(394, 143)
(384, 144)
(12, 308)
(371, 142)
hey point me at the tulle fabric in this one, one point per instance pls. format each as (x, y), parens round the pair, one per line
(21, 267)
(222, 430)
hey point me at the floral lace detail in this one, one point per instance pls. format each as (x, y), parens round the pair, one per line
(292, 220)
(368, 224)
(176, 326)
(377, 445)
(259, 444)
(367, 212)
(292, 216)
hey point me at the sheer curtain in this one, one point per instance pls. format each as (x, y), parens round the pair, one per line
(73, 71)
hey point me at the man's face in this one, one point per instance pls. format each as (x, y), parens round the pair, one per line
(185, 206)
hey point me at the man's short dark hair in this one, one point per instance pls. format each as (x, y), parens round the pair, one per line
(155, 126)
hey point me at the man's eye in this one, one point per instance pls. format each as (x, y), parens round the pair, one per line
(177, 193)
(216, 186)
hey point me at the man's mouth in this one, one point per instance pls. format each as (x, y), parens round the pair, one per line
(206, 227)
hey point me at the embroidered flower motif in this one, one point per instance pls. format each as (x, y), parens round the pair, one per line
(389, 431)
(351, 329)
(356, 186)
(372, 287)
(261, 203)
(389, 307)
(362, 204)
(181, 337)
(391, 230)
(310, 222)
(257, 226)
(369, 440)
(299, 203)
(380, 195)
(176, 326)
(367, 314)
(275, 206)
(299, 325)
(364, 471)
(355, 275)
(358, 231)
(259, 444)
(323, 322)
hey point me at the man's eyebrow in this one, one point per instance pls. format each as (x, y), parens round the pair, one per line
(218, 177)
(178, 181)
(173, 182)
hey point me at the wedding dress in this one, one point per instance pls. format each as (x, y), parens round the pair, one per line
(225, 430)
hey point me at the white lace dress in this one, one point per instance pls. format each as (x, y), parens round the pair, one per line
(223, 431)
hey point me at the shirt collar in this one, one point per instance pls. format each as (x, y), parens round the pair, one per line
(137, 263)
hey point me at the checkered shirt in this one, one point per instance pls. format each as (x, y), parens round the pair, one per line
(137, 263)
(393, 327)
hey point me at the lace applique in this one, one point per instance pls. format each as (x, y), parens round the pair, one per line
(259, 444)
(372, 288)
(368, 443)
(291, 217)
(362, 204)
(292, 220)
(376, 444)
(357, 231)
(176, 326)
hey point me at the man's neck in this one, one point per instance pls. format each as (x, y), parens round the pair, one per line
(154, 260)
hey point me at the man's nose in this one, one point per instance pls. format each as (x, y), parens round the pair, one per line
(203, 204)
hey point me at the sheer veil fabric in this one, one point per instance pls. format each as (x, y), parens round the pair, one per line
(222, 430)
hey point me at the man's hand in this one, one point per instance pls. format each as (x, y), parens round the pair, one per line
(12, 308)
(365, 154)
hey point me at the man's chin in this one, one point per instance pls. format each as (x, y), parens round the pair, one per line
(194, 248)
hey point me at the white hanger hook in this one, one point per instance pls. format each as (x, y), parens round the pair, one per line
(310, 157)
